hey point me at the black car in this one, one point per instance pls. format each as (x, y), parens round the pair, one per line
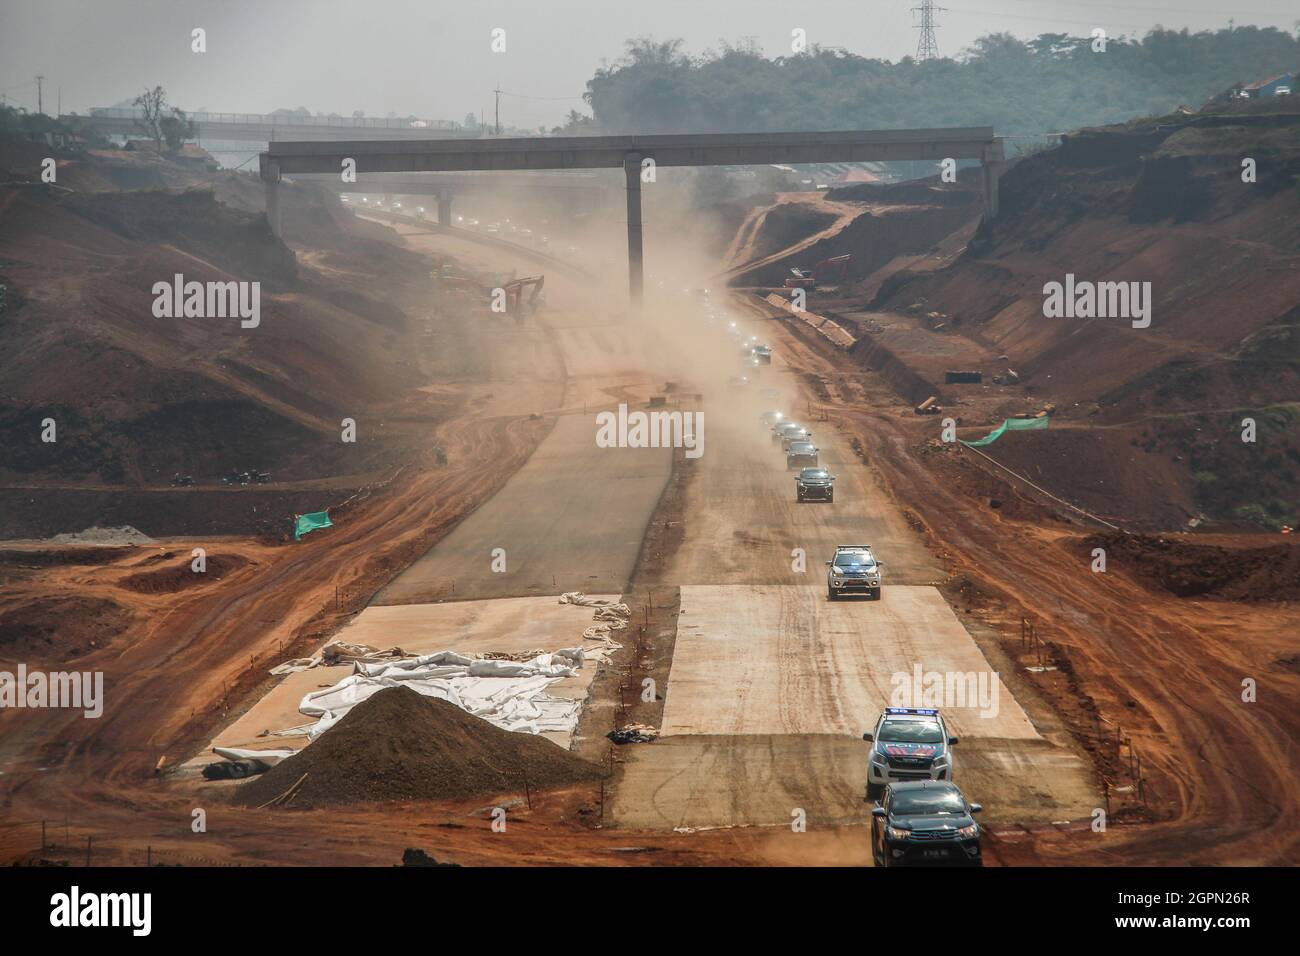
(925, 822)
(814, 484)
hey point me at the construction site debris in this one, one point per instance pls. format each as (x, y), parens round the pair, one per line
(400, 745)
(634, 734)
(338, 653)
(609, 616)
(233, 769)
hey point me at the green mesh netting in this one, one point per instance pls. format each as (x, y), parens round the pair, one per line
(1011, 424)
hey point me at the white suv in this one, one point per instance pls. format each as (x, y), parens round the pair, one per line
(854, 569)
(909, 743)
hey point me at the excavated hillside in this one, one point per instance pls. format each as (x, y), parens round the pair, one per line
(137, 398)
(1161, 202)
(875, 224)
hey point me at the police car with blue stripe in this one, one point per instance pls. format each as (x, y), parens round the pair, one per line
(909, 743)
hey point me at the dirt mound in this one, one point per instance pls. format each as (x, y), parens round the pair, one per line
(399, 745)
(1188, 568)
(1105, 471)
(60, 629)
(123, 536)
(181, 576)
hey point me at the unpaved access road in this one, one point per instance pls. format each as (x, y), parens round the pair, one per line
(771, 685)
(572, 519)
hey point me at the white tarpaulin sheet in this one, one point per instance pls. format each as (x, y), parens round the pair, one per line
(510, 694)
(268, 757)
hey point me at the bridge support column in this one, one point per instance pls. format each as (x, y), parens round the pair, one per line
(990, 170)
(990, 189)
(444, 210)
(635, 278)
(270, 173)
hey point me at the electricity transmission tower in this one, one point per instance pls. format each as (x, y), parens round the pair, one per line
(926, 47)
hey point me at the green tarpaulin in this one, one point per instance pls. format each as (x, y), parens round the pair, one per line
(306, 524)
(1011, 424)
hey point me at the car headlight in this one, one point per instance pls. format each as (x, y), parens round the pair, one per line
(969, 831)
(878, 759)
(941, 760)
(895, 833)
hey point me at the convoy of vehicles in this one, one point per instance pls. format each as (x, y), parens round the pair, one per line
(918, 815)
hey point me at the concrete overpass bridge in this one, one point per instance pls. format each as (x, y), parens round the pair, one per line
(637, 155)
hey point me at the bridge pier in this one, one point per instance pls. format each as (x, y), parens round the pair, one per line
(270, 173)
(990, 170)
(444, 210)
(635, 276)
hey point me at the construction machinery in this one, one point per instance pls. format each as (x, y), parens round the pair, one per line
(834, 269)
(515, 302)
(515, 295)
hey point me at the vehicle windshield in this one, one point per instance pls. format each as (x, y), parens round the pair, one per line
(927, 801)
(814, 473)
(852, 560)
(911, 732)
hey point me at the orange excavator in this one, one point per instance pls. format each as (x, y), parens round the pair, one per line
(515, 301)
(515, 292)
(834, 269)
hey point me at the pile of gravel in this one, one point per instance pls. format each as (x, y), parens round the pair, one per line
(123, 536)
(401, 745)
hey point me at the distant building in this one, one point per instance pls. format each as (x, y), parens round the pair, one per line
(1282, 84)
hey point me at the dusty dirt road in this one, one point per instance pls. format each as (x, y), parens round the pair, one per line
(770, 686)
(1161, 673)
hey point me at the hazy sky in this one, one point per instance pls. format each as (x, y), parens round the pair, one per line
(432, 58)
